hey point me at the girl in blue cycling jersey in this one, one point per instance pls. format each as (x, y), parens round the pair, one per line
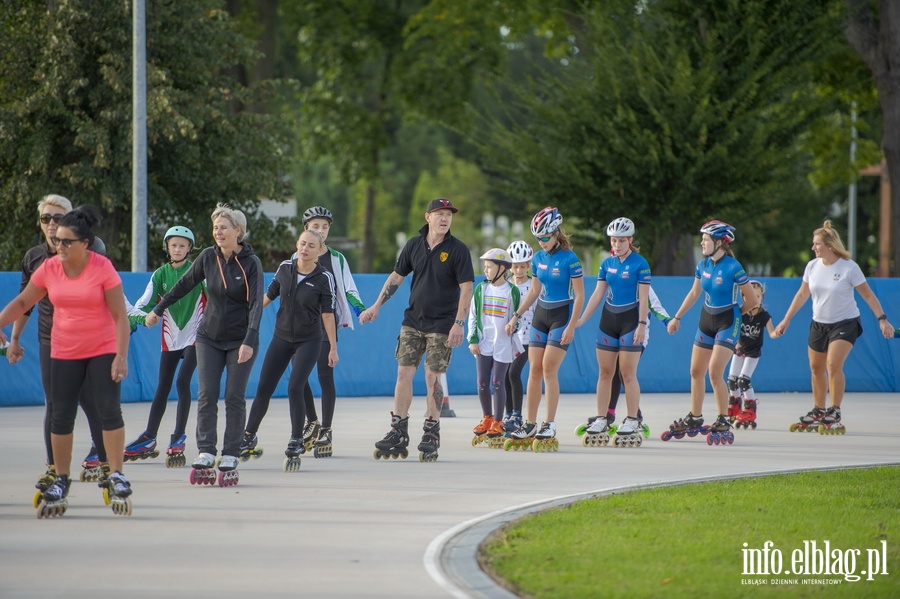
(558, 289)
(722, 279)
(624, 282)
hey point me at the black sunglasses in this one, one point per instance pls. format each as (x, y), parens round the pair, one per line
(46, 218)
(66, 243)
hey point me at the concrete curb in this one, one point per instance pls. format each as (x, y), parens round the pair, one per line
(451, 558)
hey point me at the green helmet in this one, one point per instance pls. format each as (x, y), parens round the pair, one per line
(178, 231)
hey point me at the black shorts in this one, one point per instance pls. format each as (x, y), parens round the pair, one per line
(820, 335)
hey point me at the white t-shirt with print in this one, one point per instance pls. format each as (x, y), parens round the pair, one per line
(831, 287)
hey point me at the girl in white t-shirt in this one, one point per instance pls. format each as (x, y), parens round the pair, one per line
(494, 301)
(830, 279)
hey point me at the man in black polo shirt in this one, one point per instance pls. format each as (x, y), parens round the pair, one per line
(432, 324)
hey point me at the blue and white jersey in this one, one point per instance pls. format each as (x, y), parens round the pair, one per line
(555, 270)
(720, 280)
(623, 277)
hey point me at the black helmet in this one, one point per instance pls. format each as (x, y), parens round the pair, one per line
(317, 212)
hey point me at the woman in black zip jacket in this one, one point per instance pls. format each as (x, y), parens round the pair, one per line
(307, 292)
(228, 335)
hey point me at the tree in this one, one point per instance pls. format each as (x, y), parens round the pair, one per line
(875, 35)
(65, 120)
(671, 114)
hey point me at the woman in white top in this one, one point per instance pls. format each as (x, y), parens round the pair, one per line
(830, 279)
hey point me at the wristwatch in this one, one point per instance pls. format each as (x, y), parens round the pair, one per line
(882, 317)
(461, 323)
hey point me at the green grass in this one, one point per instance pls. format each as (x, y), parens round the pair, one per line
(688, 541)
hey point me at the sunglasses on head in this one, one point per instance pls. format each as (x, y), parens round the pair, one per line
(46, 218)
(66, 243)
(544, 239)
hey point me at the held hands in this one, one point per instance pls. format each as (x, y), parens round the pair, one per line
(887, 329)
(151, 319)
(14, 352)
(473, 347)
(511, 327)
(640, 334)
(368, 315)
(673, 326)
(782, 328)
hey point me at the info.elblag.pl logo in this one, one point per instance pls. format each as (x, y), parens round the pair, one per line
(814, 559)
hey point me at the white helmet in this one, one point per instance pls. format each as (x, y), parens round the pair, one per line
(621, 227)
(520, 251)
(497, 255)
(546, 222)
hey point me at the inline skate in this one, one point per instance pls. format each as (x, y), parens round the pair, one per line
(43, 483)
(521, 438)
(495, 435)
(596, 432)
(310, 434)
(720, 432)
(90, 466)
(734, 408)
(203, 470)
(141, 448)
(295, 449)
(610, 418)
(53, 503)
(228, 474)
(431, 440)
(545, 439)
(809, 422)
(248, 447)
(119, 489)
(747, 418)
(322, 447)
(690, 425)
(481, 430)
(395, 442)
(103, 481)
(175, 452)
(630, 433)
(830, 424)
(512, 421)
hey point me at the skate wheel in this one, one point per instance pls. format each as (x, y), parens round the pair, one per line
(36, 501)
(475, 441)
(106, 498)
(681, 435)
(121, 507)
(376, 454)
(690, 433)
(753, 425)
(579, 430)
(82, 476)
(666, 435)
(193, 476)
(646, 430)
(709, 440)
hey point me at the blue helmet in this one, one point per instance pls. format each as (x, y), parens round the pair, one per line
(719, 230)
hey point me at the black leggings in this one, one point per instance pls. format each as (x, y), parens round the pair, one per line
(87, 406)
(168, 363)
(616, 387)
(515, 391)
(70, 378)
(302, 356)
(326, 381)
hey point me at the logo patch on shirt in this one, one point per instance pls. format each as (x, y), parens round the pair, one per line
(837, 277)
(444, 256)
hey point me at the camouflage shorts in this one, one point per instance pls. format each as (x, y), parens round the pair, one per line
(412, 344)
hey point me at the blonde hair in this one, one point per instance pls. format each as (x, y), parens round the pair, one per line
(316, 233)
(563, 240)
(236, 217)
(832, 239)
(54, 200)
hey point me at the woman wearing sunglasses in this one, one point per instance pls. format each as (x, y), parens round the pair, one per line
(51, 210)
(558, 289)
(83, 287)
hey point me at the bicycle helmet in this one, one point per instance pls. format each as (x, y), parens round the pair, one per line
(520, 251)
(178, 231)
(546, 222)
(497, 255)
(718, 230)
(98, 246)
(621, 227)
(317, 212)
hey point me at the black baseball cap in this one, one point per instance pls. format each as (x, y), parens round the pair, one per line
(441, 204)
